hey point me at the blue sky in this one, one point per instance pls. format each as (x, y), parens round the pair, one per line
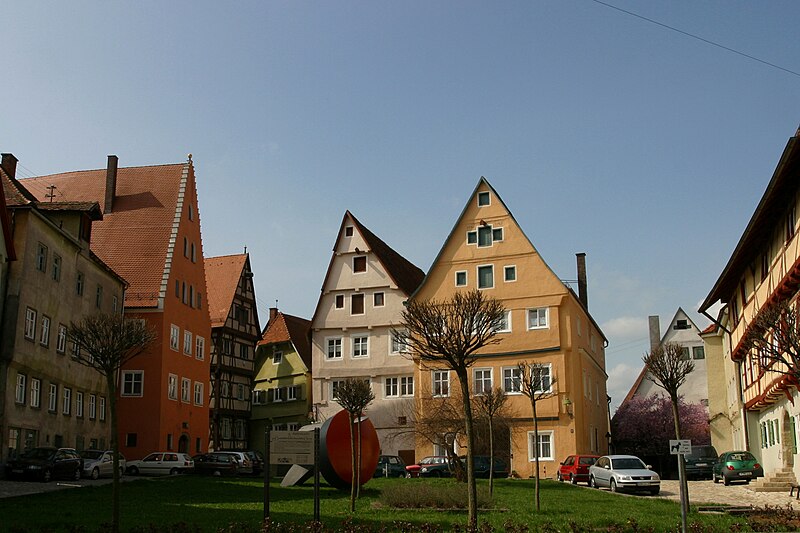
(603, 133)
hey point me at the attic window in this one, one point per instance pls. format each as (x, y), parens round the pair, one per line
(340, 301)
(360, 263)
(484, 199)
(348, 231)
(277, 357)
(681, 324)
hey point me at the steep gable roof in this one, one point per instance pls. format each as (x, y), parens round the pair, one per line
(137, 236)
(222, 278)
(289, 328)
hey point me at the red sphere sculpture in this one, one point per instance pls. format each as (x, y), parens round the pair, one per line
(335, 461)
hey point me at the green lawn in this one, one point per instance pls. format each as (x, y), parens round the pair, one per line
(208, 504)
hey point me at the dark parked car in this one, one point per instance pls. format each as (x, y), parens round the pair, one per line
(500, 468)
(216, 464)
(390, 466)
(46, 464)
(575, 468)
(700, 463)
(737, 466)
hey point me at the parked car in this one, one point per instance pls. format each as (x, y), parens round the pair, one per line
(575, 468)
(162, 463)
(216, 464)
(245, 461)
(734, 466)
(700, 463)
(431, 466)
(257, 459)
(499, 466)
(99, 463)
(46, 463)
(622, 473)
(390, 466)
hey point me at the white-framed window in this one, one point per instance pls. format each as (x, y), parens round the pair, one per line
(102, 409)
(538, 318)
(292, 393)
(36, 393)
(544, 443)
(79, 404)
(441, 383)
(114, 303)
(52, 398)
(396, 346)
(66, 404)
(505, 323)
(199, 347)
(132, 383)
(407, 386)
(512, 380)
(542, 377)
(41, 257)
(44, 334)
(292, 426)
(30, 323)
(348, 231)
(483, 380)
(240, 392)
(486, 276)
(277, 357)
(485, 235)
(92, 406)
(335, 384)
(339, 301)
(391, 387)
(198, 393)
(172, 387)
(186, 387)
(484, 199)
(461, 278)
(360, 346)
(238, 429)
(357, 304)
(359, 264)
(55, 273)
(333, 348)
(187, 342)
(19, 392)
(378, 299)
(226, 428)
(61, 340)
(509, 273)
(278, 394)
(174, 335)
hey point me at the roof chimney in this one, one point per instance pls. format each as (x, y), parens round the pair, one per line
(10, 164)
(655, 331)
(111, 183)
(273, 312)
(582, 294)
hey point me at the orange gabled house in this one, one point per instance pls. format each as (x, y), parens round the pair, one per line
(150, 234)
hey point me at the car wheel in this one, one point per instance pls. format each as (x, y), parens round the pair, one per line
(715, 478)
(613, 486)
(95, 473)
(573, 479)
(77, 475)
(408, 475)
(47, 475)
(558, 477)
(592, 482)
(654, 492)
(173, 472)
(133, 470)
(746, 481)
(726, 481)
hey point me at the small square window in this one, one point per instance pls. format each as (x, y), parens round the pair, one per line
(461, 278)
(340, 301)
(510, 273)
(277, 357)
(472, 237)
(348, 231)
(378, 299)
(485, 277)
(698, 352)
(497, 234)
(360, 263)
(484, 199)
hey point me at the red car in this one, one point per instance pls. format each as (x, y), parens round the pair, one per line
(576, 468)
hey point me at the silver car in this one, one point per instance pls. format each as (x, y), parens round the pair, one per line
(162, 463)
(99, 463)
(623, 473)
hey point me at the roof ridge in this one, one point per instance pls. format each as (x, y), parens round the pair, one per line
(102, 170)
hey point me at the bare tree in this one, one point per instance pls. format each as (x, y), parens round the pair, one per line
(668, 367)
(773, 336)
(490, 405)
(536, 383)
(448, 334)
(105, 342)
(354, 395)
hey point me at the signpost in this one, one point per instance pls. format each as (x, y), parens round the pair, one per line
(680, 448)
(291, 448)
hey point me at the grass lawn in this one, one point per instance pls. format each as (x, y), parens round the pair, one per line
(209, 504)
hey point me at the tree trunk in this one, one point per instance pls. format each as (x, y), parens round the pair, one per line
(491, 457)
(358, 458)
(353, 481)
(472, 491)
(115, 489)
(535, 454)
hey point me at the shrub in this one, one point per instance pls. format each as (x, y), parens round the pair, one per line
(429, 495)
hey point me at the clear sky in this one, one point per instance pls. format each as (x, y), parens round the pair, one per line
(602, 132)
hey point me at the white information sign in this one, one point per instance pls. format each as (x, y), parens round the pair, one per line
(291, 447)
(680, 447)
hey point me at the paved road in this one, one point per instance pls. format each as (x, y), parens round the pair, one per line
(20, 488)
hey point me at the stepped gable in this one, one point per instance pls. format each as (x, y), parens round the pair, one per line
(222, 278)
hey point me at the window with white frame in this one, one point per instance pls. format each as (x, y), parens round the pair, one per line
(334, 348)
(512, 380)
(360, 346)
(292, 393)
(19, 392)
(461, 278)
(378, 299)
(61, 340)
(544, 443)
(335, 384)
(277, 357)
(541, 377)
(509, 273)
(226, 428)
(483, 380)
(240, 392)
(357, 304)
(92, 406)
(441, 383)
(36, 393)
(486, 276)
(485, 235)
(238, 429)
(292, 426)
(132, 382)
(199, 348)
(102, 409)
(339, 301)
(187, 342)
(30, 323)
(505, 323)
(66, 404)
(44, 334)
(186, 387)
(198, 393)
(79, 404)
(397, 344)
(172, 387)
(392, 387)
(41, 257)
(55, 273)
(406, 386)
(174, 336)
(52, 398)
(538, 318)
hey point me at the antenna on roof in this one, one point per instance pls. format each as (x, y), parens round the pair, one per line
(190, 157)
(245, 249)
(50, 192)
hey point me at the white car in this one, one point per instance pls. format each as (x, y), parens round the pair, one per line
(162, 463)
(622, 473)
(99, 463)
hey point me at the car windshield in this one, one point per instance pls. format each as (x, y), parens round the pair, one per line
(587, 460)
(91, 454)
(629, 463)
(702, 451)
(741, 456)
(39, 453)
(432, 461)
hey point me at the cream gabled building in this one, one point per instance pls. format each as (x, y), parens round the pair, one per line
(546, 323)
(758, 409)
(361, 301)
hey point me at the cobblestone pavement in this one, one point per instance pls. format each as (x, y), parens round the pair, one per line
(734, 494)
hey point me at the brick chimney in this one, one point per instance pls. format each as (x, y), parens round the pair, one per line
(273, 312)
(583, 296)
(10, 164)
(111, 183)
(655, 331)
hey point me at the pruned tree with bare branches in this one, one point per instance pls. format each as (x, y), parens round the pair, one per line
(490, 405)
(536, 383)
(106, 342)
(354, 395)
(448, 334)
(773, 336)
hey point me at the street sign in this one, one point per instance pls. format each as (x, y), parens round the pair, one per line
(291, 447)
(680, 447)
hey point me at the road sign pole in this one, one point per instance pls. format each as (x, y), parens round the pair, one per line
(267, 468)
(316, 474)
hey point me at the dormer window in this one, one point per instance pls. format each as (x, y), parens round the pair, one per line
(485, 235)
(484, 199)
(360, 263)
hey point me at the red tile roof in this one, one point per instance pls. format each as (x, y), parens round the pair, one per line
(135, 237)
(288, 328)
(222, 277)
